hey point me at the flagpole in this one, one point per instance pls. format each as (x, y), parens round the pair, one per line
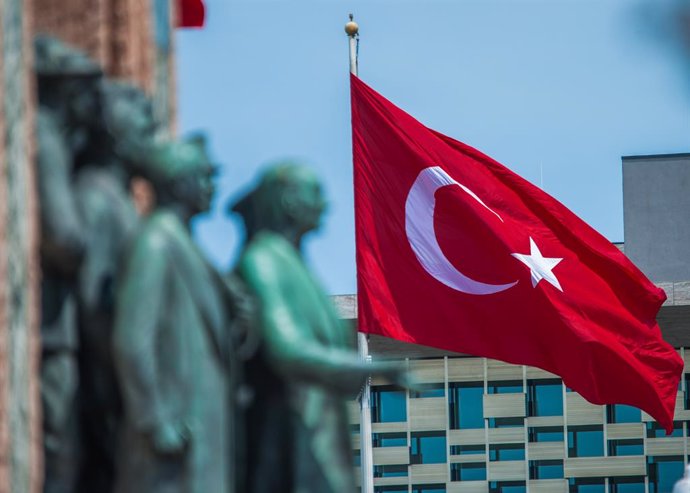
(365, 447)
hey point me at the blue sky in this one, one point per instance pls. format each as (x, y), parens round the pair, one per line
(556, 90)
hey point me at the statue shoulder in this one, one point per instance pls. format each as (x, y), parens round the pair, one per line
(270, 249)
(152, 238)
(267, 259)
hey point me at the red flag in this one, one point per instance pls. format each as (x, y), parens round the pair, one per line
(457, 252)
(191, 13)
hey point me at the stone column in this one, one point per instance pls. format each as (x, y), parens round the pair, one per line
(20, 424)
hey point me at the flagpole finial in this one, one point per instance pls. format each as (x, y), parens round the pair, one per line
(351, 28)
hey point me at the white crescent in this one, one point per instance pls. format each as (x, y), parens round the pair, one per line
(419, 226)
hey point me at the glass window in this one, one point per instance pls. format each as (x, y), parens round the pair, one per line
(428, 448)
(429, 390)
(466, 405)
(388, 404)
(469, 471)
(620, 413)
(663, 472)
(626, 485)
(467, 449)
(428, 488)
(587, 485)
(357, 458)
(626, 447)
(507, 487)
(655, 430)
(390, 489)
(505, 387)
(506, 422)
(546, 434)
(505, 451)
(389, 439)
(545, 469)
(545, 397)
(395, 471)
(585, 441)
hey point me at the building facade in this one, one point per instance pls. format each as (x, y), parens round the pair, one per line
(478, 425)
(483, 426)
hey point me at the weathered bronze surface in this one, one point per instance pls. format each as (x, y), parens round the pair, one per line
(170, 340)
(67, 90)
(306, 366)
(115, 149)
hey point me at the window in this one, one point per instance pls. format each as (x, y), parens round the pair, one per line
(390, 489)
(626, 485)
(626, 447)
(546, 434)
(506, 422)
(466, 405)
(395, 471)
(357, 458)
(469, 471)
(585, 441)
(428, 488)
(545, 397)
(389, 439)
(655, 430)
(587, 485)
(545, 469)
(429, 390)
(388, 404)
(505, 387)
(467, 449)
(512, 451)
(507, 487)
(428, 448)
(620, 413)
(663, 472)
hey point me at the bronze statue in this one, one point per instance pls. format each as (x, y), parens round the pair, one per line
(67, 108)
(170, 339)
(306, 366)
(115, 149)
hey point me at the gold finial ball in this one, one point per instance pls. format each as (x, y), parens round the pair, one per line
(351, 28)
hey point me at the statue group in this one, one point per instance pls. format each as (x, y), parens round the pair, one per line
(159, 373)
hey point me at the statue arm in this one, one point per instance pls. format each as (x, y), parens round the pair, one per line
(62, 242)
(139, 310)
(289, 349)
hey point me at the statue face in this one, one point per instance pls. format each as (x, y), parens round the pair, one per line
(308, 200)
(201, 189)
(130, 119)
(82, 94)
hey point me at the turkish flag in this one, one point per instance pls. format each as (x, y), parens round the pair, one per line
(457, 252)
(191, 13)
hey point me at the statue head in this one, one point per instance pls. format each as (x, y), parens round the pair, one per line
(67, 81)
(181, 173)
(128, 123)
(287, 198)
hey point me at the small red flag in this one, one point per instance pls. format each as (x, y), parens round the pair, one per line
(457, 252)
(191, 13)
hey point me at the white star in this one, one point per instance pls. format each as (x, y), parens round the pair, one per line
(540, 266)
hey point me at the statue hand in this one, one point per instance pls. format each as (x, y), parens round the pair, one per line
(170, 438)
(398, 375)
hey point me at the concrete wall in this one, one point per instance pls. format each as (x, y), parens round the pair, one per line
(656, 211)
